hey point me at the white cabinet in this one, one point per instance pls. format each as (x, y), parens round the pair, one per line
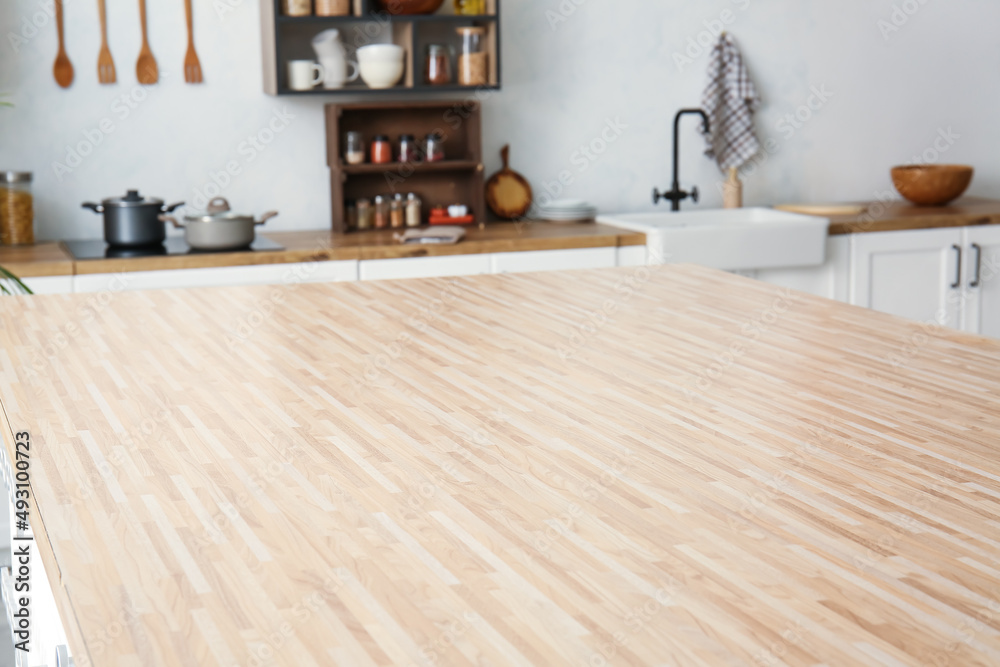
(424, 267)
(830, 280)
(50, 284)
(914, 274)
(981, 292)
(264, 274)
(554, 260)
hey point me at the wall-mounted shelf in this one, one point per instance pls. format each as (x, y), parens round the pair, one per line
(286, 38)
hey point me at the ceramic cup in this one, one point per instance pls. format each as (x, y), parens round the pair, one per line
(381, 65)
(304, 74)
(336, 72)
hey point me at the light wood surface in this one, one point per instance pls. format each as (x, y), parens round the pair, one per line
(664, 466)
(902, 215)
(40, 259)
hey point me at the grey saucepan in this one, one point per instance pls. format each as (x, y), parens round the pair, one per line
(218, 228)
(132, 220)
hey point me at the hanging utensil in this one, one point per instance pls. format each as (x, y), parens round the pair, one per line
(192, 67)
(105, 63)
(63, 68)
(145, 69)
(507, 192)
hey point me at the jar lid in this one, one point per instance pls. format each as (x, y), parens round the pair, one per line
(436, 49)
(381, 137)
(15, 177)
(406, 137)
(471, 30)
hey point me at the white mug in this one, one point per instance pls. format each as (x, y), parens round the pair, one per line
(336, 72)
(304, 74)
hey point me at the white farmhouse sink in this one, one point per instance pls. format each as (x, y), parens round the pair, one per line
(730, 239)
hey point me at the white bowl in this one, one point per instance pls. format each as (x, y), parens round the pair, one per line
(381, 65)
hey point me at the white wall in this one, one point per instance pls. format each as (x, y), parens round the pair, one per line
(563, 82)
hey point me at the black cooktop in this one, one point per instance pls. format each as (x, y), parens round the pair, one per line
(174, 245)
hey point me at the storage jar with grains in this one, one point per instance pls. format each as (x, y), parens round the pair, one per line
(333, 7)
(296, 7)
(17, 208)
(473, 60)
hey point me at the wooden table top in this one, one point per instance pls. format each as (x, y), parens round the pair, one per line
(663, 466)
(901, 215)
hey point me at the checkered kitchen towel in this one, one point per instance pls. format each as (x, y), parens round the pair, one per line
(730, 100)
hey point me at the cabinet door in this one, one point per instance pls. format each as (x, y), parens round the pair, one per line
(982, 294)
(265, 274)
(424, 267)
(50, 284)
(554, 260)
(913, 274)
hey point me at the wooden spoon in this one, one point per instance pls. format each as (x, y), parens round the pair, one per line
(63, 68)
(105, 63)
(145, 69)
(507, 193)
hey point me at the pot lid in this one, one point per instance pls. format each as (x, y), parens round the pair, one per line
(132, 198)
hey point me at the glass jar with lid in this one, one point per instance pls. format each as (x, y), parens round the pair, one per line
(437, 66)
(354, 149)
(397, 212)
(434, 147)
(366, 214)
(473, 61)
(297, 7)
(381, 212)
(408, 149)
(17, 208)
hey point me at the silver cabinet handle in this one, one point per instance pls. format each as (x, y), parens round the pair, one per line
(977, 281)
(958, 276)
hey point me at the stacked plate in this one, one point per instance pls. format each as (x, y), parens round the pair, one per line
(567, 210)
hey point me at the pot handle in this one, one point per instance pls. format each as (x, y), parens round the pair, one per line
(172, 207)
(267, 216)
(218, 205)
(171, 219)
(96, 208)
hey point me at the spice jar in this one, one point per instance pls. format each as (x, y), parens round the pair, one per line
(333, 7)
(354, 148)
(17, 210)
(381, 150)
(472, 61)
(413, 213)
(297, 7)
(434, 148)
(381, 212)
(366, 215)
(437, 66)
(408, 149)
(397, 212)
(468, 7)
(351, 217)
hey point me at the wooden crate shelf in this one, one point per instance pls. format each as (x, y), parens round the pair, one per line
(459, 179)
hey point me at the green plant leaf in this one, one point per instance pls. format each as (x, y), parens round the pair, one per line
(10, 277)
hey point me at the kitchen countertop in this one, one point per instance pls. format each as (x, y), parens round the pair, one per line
(664, 465)
(309, 246)
(901, 215)
(31, 261)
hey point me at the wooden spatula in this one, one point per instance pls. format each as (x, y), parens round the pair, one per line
(63, 68)
(105, 63)
(145, 69)
(192, 67)
(507, 193)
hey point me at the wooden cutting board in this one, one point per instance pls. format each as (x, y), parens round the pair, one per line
(508, 194)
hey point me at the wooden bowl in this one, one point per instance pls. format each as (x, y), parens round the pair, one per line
(932, 184)
(408, 7)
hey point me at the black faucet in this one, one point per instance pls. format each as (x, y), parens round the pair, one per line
(676, 195)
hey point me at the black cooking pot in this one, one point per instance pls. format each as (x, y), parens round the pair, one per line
(133, 220)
